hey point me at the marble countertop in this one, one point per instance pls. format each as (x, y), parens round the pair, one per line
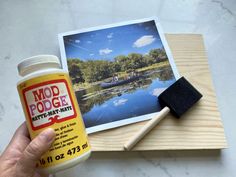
(30, 28)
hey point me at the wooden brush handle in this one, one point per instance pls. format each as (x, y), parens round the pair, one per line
(146, 128)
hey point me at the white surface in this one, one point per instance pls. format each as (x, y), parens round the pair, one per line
(30, 28)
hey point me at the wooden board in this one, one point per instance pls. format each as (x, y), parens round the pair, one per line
(199, 128)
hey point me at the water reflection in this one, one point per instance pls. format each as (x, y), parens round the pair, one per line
(100, 106)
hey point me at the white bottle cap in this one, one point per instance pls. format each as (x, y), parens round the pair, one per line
(38, 62)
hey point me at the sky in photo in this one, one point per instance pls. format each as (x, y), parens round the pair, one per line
(108, 43)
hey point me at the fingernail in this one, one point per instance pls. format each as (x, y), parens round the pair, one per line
(48, 135)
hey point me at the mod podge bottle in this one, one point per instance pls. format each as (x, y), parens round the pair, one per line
(48, 100)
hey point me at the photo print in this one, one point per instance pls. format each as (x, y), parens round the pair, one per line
(118, 71)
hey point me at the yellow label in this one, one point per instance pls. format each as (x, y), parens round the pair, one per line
(49, 101)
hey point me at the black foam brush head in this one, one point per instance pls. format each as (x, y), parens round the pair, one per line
(179, 97)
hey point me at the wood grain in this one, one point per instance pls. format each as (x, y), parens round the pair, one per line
(199, 128)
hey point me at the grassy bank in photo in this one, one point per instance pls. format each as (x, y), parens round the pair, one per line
(121, 75)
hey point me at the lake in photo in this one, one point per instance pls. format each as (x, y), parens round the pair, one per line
(137, 98)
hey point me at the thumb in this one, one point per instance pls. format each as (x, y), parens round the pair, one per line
(37, 147)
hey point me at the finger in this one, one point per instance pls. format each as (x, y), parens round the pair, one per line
(20, 131)
(41, 175)
(20, 139)
(37, 147)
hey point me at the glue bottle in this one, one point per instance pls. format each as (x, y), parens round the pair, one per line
(48, 100)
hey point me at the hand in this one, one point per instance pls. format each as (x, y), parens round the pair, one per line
(20, 157)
